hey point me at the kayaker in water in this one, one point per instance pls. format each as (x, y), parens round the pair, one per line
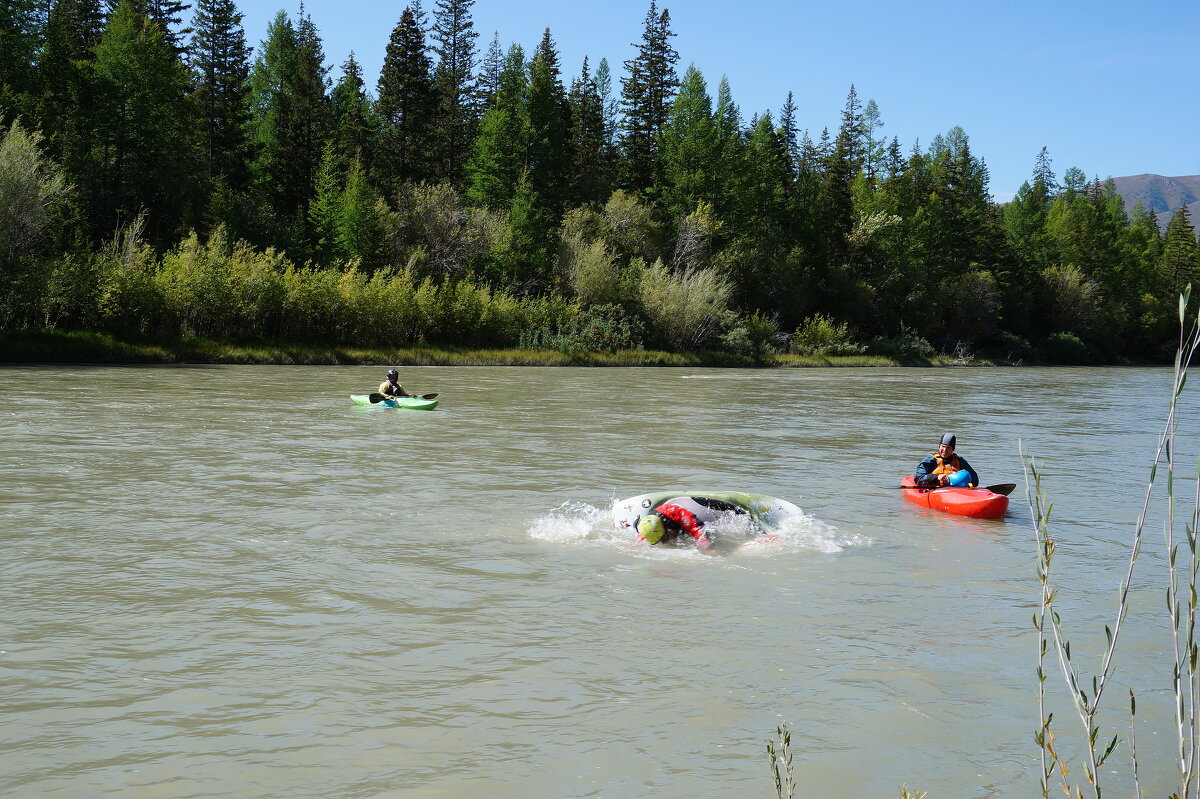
(675, 520)
(936, 469)
(391, 387)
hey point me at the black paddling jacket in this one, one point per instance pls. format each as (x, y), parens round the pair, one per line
(933, 465)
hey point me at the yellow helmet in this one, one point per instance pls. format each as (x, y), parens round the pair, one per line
(650, 527)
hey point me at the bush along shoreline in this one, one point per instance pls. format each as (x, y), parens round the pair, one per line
(218, 301)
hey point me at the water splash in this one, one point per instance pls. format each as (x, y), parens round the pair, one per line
(792, 531)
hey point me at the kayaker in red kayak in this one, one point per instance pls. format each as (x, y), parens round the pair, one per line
(677, 518)
(936, 469)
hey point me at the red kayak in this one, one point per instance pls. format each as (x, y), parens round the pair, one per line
(978, 503)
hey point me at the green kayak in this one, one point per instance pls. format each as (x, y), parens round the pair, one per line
(411, 403)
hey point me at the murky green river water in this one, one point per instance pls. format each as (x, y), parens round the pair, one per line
(230, 582)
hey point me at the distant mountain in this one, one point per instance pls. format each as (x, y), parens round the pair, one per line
(1161, 195)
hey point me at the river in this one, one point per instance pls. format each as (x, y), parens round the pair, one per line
(225, 581)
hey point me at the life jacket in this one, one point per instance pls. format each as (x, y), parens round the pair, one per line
(946, 465)
(391, 389)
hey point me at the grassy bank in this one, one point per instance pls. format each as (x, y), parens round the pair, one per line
(55, 346)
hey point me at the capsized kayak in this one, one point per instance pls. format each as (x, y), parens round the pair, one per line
(978, 503)
(411, 403)
(768, 511)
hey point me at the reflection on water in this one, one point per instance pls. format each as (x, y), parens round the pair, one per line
(229, 581)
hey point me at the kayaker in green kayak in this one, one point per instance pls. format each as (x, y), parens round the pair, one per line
(936, 469)
(391, 387)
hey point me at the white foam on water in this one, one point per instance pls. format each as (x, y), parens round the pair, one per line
(792, 531)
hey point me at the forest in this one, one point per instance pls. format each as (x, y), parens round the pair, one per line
(160, 178)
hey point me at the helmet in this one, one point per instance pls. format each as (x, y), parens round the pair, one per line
(949, 440)
(393, 373)
(960, 478)
(650, 527)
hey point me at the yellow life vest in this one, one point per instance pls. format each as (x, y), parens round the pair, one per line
(946, 465)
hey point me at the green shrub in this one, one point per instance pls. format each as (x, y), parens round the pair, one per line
(686, 308)
(905, 345)
(600, 328)
(1066, 348)
(752, 336)
(820, 335)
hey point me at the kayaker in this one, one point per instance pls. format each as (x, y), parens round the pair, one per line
(936, 469)
(391, 387)
(674, 520)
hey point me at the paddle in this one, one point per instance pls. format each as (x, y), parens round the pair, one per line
(999, 488)
(376, 397)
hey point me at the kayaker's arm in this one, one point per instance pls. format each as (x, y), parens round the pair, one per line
(922, 476)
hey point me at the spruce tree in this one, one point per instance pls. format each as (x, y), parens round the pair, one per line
(144, 140)
(359, 227)
(20, 41)
(168, 15)
(453, 36)
(220, 62)
(270, 108)
(1179, 250)
(498, 157)
(547, 156)
(489, 74)
(610, 105)
(646, 97)
(590, 167)
(690, 149)
(405, 106)
(789, 133)
(353, 119)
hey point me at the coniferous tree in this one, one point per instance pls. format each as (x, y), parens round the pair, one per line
(547, 159)
(324, 209)
(646, 95)
(498, 157)
(270, 109)
(310, 123)
(691, 151)
(143, 143)
(20, 41)
(359, 229)
(354, 128)
(168, 15)
(590, 168)
(457, 113)
(789, 132)
(842, 165)
(609, 104)
(405, 106)
(220, 61)
(873, 148)
(66, 104)
(489, 74)
(291, 125)
(1179, 250)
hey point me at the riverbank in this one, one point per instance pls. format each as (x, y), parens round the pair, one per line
(56, 346)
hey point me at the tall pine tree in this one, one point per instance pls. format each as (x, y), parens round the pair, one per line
(406, 105)
(220, 61)
(457, 112)
(646, 95)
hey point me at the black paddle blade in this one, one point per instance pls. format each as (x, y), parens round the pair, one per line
(429, 396)
(376, 397)
(1002, 488)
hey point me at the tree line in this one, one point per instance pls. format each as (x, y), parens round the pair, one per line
(146, 154)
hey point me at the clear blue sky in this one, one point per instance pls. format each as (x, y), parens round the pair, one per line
(1110, 87)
